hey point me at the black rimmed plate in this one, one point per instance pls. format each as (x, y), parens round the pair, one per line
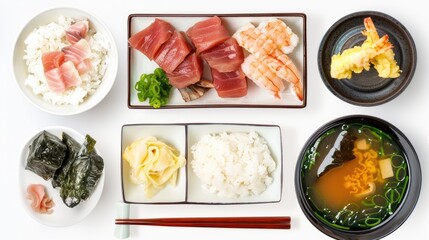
(367, 88)
(256, 97)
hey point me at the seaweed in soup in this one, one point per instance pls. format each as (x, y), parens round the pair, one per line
(83, 174)
(46, 155)
(73, 148)
(343, 154)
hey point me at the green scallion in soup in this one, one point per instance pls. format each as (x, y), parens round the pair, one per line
(354, 176)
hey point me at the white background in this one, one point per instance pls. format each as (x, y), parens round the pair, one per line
(19, 119)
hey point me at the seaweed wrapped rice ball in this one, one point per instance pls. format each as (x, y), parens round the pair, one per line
(46, 155)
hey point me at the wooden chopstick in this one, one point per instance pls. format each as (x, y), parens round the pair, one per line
(216, 222)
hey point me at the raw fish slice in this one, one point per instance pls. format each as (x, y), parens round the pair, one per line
(262, 75)
(77, 31)
(187, 73)
(225, 57)
(149, 40)
(77, 52)
(230, 84)
(54, 80)
(173, 52)
(251, 39)
(84, 66)
(277, 30)
(70, 75)
(51, 60)
(207, 34)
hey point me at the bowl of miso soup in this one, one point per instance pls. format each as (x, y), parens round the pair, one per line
(358, 177)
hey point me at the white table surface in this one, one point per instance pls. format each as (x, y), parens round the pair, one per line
(19, 119)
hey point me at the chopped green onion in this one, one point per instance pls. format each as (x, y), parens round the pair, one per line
(155, 87)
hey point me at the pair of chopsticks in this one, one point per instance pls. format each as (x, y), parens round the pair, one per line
(212, 222)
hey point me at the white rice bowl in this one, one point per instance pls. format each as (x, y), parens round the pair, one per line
(233, 165)
(46, 32)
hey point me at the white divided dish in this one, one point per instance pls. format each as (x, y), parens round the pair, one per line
(189, 187)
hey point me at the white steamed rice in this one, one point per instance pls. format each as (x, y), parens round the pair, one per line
(233, 165)
(52, 37)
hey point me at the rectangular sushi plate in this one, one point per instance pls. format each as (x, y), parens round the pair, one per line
(256, 97)
(189, 188)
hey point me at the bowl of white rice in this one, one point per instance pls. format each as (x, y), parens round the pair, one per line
(46, 32)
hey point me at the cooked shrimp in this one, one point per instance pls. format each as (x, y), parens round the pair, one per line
(374, 50)
(252, 39)
(384, 63)
(277, 30)
(283, 66)
(358, 58)
(262, 75)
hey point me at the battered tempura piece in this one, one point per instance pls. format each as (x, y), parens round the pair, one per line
(374, 50)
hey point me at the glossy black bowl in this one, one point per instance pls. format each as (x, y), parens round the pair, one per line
(367, 88)
(405, 207)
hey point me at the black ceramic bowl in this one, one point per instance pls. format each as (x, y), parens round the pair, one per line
(367, 88)
(401, 206)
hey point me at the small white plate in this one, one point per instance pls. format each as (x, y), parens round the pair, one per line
(62, 215)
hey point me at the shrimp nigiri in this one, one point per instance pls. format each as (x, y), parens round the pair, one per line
(281, 34)
(262, 75)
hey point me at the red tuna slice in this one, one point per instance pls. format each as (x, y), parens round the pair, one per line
(230, 84)
(51, 60)
(55, 81)
(225, 57)
(70, 75)
(77, 31)
(77, 52)
(187, 73)
(207, 34)
(149, 40)
(173, 52)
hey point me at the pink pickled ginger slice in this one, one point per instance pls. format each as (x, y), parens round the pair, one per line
(149, 40)
(173, 52)
(77, 31)
(207, 34)
(40, 201)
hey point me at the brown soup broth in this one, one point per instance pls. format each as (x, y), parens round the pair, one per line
(324, 178)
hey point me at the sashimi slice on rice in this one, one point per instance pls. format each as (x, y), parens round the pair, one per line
(66, 60)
